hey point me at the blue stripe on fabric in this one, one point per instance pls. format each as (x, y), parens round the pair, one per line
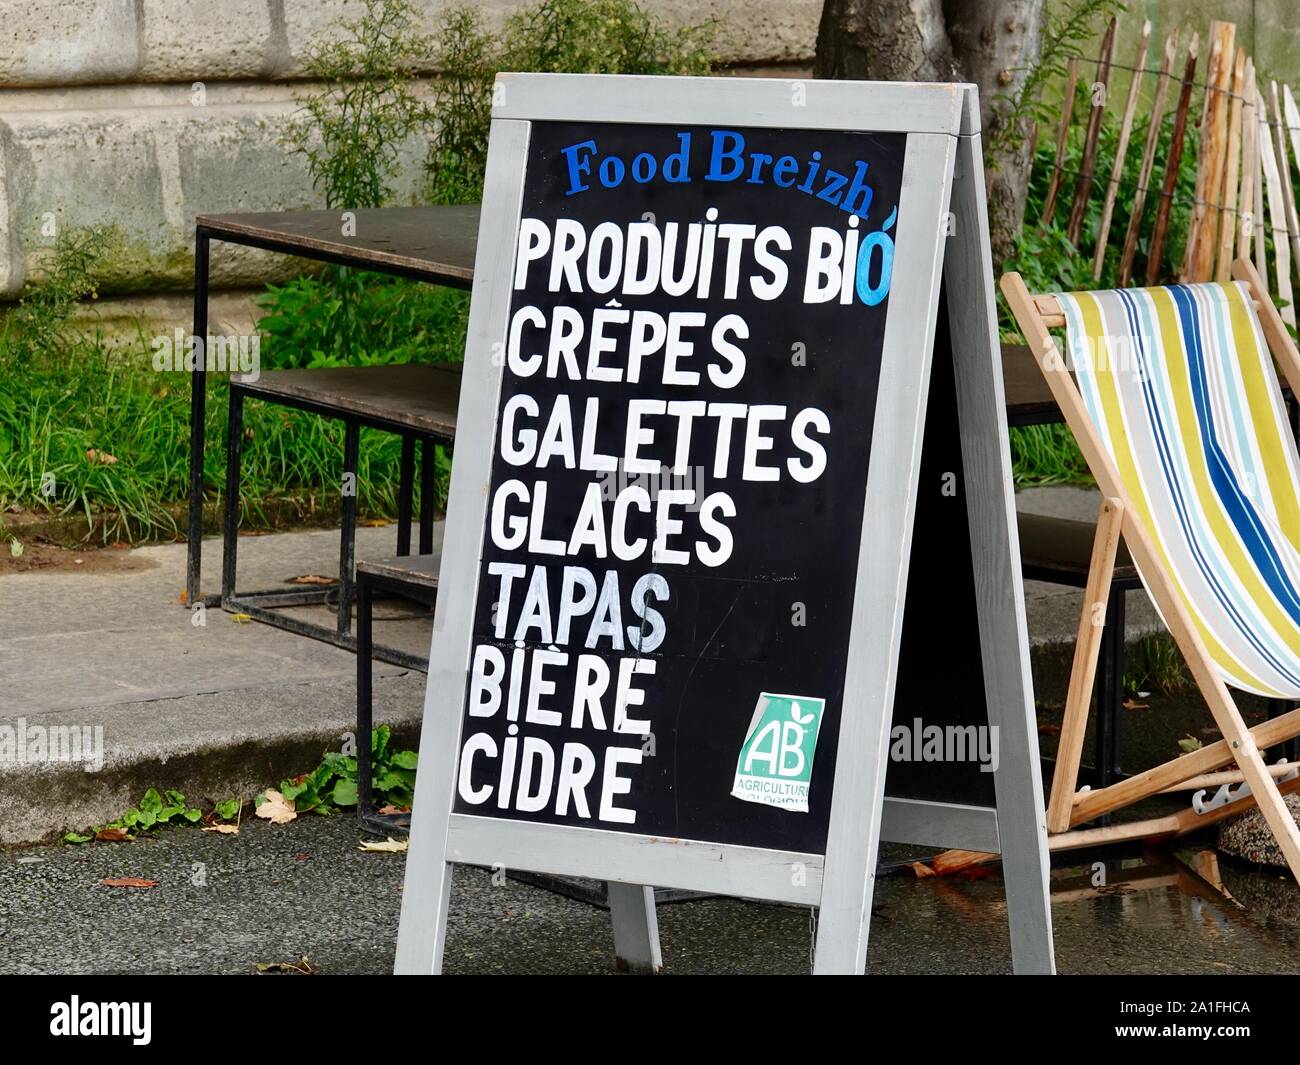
(1181, 509)
(1237, 504)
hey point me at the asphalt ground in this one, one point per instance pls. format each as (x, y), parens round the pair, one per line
(276, 894)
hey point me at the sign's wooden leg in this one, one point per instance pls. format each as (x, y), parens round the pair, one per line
(995, 548)
(853, 837)
(636, 927)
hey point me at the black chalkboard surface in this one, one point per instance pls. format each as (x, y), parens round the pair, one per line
(773, 616)
(940, 675)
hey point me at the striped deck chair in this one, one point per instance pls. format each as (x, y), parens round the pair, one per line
(1174, 400)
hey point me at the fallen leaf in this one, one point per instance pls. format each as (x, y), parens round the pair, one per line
(312, 578)
(241, 619)
(102, 457)
(920, 870)
(277, 809)
(302, 966)
(388, 846)
(225, 830)
(1132, 704)
(111, 835)
(1048, 729)
(185, 596)
(300, 857)
(376, 523)
(390, 810)
(129, 881)
(15, 548)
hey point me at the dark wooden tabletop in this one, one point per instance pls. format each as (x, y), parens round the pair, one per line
(408, 396)
(409, 569)
(1029, 400)
(437, 244)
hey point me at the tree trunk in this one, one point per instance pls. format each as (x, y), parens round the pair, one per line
(996, 43)
(992, 43)
(884, 40)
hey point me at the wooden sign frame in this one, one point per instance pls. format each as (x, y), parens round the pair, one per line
(942, 223)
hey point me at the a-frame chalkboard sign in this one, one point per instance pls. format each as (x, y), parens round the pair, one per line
(692, 442)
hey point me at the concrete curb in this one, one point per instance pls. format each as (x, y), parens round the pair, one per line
(41, 801)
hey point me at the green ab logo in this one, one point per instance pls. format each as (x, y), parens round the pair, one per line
(779, 745)
(775, 764)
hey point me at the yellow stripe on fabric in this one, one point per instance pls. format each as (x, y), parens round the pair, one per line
(1260, 399)
(1230, 549)
(1121, 452)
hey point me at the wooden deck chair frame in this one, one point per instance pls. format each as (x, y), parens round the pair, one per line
(1067, 807)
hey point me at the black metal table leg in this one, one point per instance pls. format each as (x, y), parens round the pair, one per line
(1287, 749)
(365, 674)
(230, 527)
(405, 490)
(198, 411)
(428, 466)
(348, 533)
(1110, 690)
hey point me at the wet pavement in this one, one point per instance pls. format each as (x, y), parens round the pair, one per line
(224, 904)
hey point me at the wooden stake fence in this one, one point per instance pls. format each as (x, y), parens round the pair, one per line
(1244, 203)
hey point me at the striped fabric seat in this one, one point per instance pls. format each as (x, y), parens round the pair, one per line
(1181, 388)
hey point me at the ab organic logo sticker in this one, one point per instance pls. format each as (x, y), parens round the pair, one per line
(775, 763)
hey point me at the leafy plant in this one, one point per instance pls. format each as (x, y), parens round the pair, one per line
(333, 783)
(555, 36)
(327, 788)
(394, 321)
(351, 131)
(1155, 664)
(227, 810)
(38, 328)
(155, 808)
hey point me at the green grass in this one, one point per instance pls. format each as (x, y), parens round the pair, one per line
(1046, 454)
(1154, 664)
(57, 407)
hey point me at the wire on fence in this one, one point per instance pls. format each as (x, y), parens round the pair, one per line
(1097, 181)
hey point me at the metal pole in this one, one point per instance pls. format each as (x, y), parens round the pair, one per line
(365, 675)
(348, 533)
(405, 487)
(230, 527)
(198, 403)
(428, 465)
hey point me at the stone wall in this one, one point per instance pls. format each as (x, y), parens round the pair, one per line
(144, 113)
